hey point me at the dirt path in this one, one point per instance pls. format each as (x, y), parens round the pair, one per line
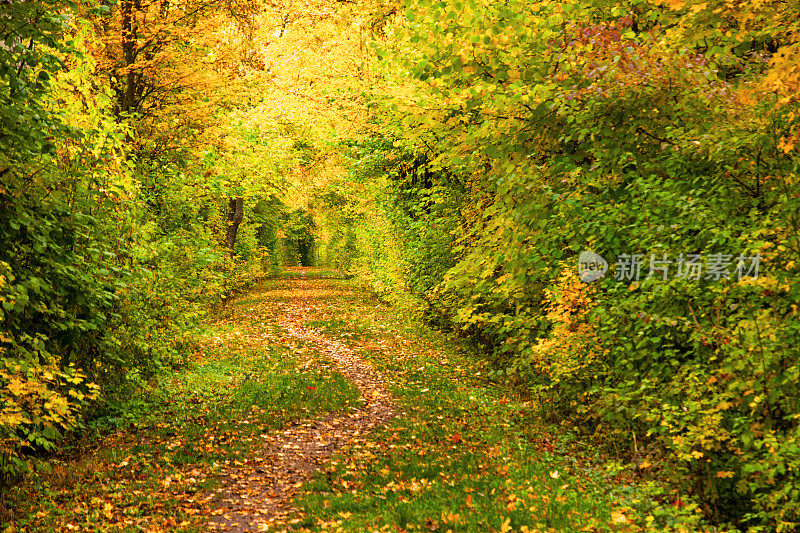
(258, 493)
(463, 453)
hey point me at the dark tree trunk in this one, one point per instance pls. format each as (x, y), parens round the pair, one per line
(235, 216)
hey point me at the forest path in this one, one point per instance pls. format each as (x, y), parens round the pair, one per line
(307, 405)
(424, 442)
(252, 498)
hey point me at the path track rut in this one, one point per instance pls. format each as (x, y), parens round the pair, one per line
(254, 497)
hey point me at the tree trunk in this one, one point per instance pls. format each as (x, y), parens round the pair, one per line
(235, 216)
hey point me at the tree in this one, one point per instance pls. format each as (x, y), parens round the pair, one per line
(235, 217)
(169, 65)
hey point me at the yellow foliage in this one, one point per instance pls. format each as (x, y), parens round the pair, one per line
(572, 344)
(783, 79)
(31, 399)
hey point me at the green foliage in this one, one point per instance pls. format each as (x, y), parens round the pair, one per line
(390, 197)
(299, 246)
(636, 128)
(55, 293)
(107, 262)
(352, 241)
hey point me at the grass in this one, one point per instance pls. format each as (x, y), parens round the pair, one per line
(159, 473)
(469, 454)
(466, 454)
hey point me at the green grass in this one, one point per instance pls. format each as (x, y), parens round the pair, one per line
(469, 454)
(157, 472)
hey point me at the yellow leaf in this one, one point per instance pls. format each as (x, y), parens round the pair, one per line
(787, 144)
(15, 387)
(10, 419)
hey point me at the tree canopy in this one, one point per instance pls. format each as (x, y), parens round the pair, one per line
(461, 158)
